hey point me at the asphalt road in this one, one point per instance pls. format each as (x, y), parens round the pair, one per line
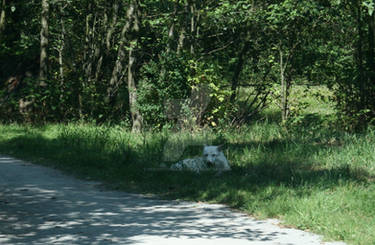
(39, 205)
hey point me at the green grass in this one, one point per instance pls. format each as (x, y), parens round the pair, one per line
(322, 181)
(306, 103)
(307, 173)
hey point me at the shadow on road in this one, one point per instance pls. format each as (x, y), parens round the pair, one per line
(42, 206)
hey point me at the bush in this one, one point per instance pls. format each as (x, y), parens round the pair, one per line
(178, 91)
(159, 85)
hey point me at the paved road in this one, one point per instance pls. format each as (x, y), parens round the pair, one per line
(39, 205)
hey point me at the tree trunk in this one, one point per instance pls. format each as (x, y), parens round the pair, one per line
(114, 82)
(85, 64)
(284, 89)
(361, 78)
(61, 47)
(182, 36)
(111, 29)
(92, 59)
(91, 46)
(192, 26)
(100, 46)
(134, 112)
(43, 70)
(181, 40)
(371, 40)
(2, 17)
(171, 29)
(238, 69)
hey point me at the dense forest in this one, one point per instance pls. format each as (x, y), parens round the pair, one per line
(160, 62)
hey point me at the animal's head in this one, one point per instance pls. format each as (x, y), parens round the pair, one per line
(210, 153)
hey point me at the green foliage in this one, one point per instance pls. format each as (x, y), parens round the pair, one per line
(225, 46)
(163, 81)
(178, 89)
(206, 77)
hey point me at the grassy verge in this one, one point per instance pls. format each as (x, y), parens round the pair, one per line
(312, 178)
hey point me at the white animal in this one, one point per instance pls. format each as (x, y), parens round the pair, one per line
(213, 159)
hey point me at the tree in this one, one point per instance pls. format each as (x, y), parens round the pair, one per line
(133, 18)
(116, 78)
(118, 60)
(43, 71)
(2, 17)
(352, 52)
(291, 24)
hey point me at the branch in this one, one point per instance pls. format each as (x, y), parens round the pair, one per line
(217, 50)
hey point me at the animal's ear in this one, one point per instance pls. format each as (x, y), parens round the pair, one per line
(220, 147)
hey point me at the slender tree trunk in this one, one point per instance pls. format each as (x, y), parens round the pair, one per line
(114, 82)
(100, 46)
(182, 36)
(98, 68)
(181, 40)
(93, 72)
(131, 29)
(238, 69)
(92, 60)
(43, 70)
(284, 89)
(61, 47)
(170, 38)
(91, 49)
(171, 30)
(371, 40)
(2, 17)
(112, 26)
(85, 64)
(192, 26)
(86, 49)
(361, 78)
(371, 61)
(134, 111)
(197, 27)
